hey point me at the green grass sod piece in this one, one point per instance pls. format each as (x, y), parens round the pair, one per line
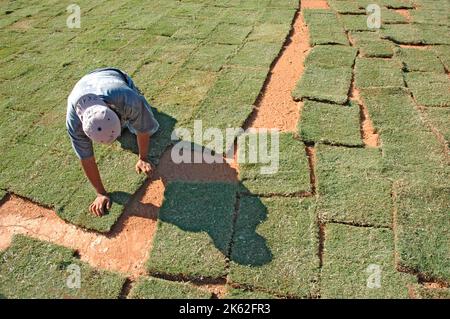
(371, 46)
(355, 22)
(421, 292)
(331, 56)
(186, 9)
(242, 17)
(346, 7)
(427, 16)
(194, 230)
(408, 146)
(419, 60)
(378, 73)
(31, 268)
(256, 54)
(422, 203)
(324, 84)
(429, 89)
(277, 15)
(120, 180)
(226, 33)
(443, 52)
(292, 175)
(210, 57)
(440, 119)
(330, 123)
(152, 77)
(351, 187)
(270, 33)
(175, 51)
(324, 27)
(154, 288)
(234, 293)
(395, 4)
(291, 4)
(281, 257)
(184, 92)
(16, 124)
(353, 256)
(197, 29)
(416, 34)
(168, 26)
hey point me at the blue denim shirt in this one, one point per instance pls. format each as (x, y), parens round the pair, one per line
(118, 91)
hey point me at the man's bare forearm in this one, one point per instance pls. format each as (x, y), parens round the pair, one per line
(91, 170)
(143, 141)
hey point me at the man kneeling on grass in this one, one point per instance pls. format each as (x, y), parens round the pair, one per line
(100, 105)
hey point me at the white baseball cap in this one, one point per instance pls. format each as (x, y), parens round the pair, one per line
(100, 123)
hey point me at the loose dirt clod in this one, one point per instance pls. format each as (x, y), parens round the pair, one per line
(276, 108)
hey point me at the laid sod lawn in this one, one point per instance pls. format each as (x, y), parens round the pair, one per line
(31, 268)
(378, 73)
(291, 174)
(352, 259)
(154, 288)
(351, 186)
(330, 123)
(429, 89)
(281, 256)
(194, 230)
(181, 52)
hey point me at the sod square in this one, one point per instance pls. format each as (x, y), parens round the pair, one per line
(420, 60)
(168, 26)
(416, 34)
(10, 120)
(154, 288)
(422, 203)
(292, 175)
(31, 268)
(255, 54)
(152, 77)
(439, 118)
(197, 29)
(408, 146)
(324, 27)
(194, 230)
(355, 22)
(330, 123)
(331, 56)
(431, 16)
(210, 57)
(429, 89)
(275, 246)
(175, 51)
(226, 33)
(351, 186)
(270, 33)
(277, 15)
(242, 17)
(184, 92)
(371, 46)
(389, 16)
(378, 73)
(354, 257)
(324, 84)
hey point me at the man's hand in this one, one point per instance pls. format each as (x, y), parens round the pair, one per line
(144, 167)
(100, 203)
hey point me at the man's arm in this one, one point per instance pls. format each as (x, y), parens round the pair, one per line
(102, 201)
(143, 166)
